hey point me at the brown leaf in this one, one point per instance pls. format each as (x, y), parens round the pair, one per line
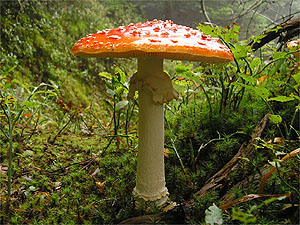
(3, 169)
(166, 152)
(100, 185)
(170, 207)
(248, 198)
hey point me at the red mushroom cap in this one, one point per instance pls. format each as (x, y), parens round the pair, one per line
(162, 39)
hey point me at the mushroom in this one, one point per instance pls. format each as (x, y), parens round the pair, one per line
(151, 42)
(293, 44)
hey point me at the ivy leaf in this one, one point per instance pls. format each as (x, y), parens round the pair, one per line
(213, 215)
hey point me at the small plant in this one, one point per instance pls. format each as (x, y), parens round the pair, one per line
(213, 215)
(13, 105)
(121, 109)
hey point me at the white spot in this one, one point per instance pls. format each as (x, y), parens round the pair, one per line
(115, 37)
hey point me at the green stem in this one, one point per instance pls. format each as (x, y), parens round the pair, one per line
(11, 125)
(192, 156)
(209, 103)
(271, 110)
(4, 133)
(9, 172)
(115, 119)
(291, 124)
(174, 147)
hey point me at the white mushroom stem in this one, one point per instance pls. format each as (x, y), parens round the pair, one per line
(154, 89)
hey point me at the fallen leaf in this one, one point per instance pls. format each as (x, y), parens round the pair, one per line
(250, 197)
(27, 115)
(57, 185)
(170, 207)
(262, 79)
(100, 185)
(3, 169)
(166, 152)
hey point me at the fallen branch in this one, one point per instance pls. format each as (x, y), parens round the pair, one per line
(284, 31)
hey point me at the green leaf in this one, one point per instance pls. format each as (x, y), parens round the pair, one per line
(255, 62)
(276, 119)
(32, 188)
(278, 55)
(239, 215)
(192, 76)
(275, 163)
(28, 104)
(120, 105)
(179, 69)
(121, 75)
(213, 215)
(249, 79)
(206, 29)
(257, 39)
(105, 75)
(260, 91)
(295, 96)
(110, 92)
(281, 99)
(297, 77)
(276, 66)
(239, 53)
(184, 83)
(28, 153)
(236, 28)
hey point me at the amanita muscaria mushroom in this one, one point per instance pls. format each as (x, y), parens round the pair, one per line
(292, 44)
(151, 42)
